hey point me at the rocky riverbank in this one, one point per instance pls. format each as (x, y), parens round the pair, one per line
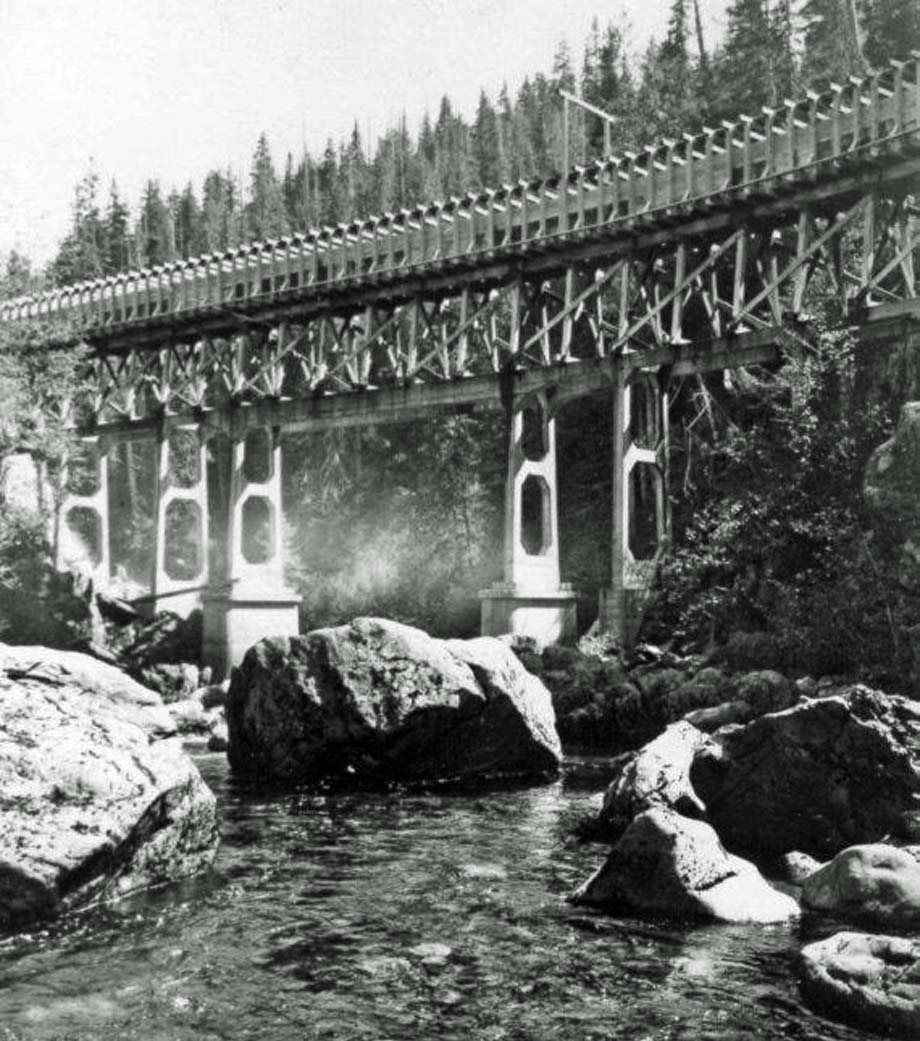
(698, 823)
(745, 797)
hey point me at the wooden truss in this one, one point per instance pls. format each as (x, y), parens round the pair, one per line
(700, 293)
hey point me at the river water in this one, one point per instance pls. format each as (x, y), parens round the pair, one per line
(396, 916)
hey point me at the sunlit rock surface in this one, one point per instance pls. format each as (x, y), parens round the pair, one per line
(382, 700)
(658, 775)
(55, 668)
(871, 982)
(667, 864)
(876, 884)
(94, 804)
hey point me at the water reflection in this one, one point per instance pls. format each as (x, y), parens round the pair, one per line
(396, 916)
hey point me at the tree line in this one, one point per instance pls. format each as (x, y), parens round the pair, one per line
(770, 51)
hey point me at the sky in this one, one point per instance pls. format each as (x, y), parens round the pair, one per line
(173, 88)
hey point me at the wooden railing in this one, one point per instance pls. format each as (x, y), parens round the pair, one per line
(752, 154)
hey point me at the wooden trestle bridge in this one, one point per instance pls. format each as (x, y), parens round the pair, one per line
(611, 277)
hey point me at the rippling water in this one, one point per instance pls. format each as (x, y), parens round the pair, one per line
(396, 917)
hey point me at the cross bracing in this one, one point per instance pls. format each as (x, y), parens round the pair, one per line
(699, 254)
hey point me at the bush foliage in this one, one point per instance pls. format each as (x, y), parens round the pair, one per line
(770, 537)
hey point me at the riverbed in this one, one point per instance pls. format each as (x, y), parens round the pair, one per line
(398, 916)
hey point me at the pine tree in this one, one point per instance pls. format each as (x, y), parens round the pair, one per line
(16, 276)
(354, 173)
(757, 67)
(669, 97)
(218, 203)
(504, 120)
(154, 234)
(891, 28)
(188, 223)
(265, 215)
(332, 210)
(81, 254)
(119, 247)
(484, 144)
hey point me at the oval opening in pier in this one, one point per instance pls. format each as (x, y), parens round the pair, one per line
(184, 457)
(184, 557)
(258, 541)
(85, 525)
(533, 432)
(83, 469)
(257, 455)
(536, 534)
(643, 521)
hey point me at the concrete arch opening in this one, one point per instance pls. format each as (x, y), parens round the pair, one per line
(258, 535)
(184, 552)
(84, 528)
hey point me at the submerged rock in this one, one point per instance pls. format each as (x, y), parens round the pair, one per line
(871, 982)
(92, 806)
(657, 775)
(816, 777)
(669, 865)
(382, 700)
(877, 884)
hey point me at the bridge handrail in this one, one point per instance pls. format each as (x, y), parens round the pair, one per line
(736, 156)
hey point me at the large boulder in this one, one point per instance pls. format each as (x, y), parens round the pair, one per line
(97, 679)
(669, 865)
(817, 777)
(875, 884)
(386, 701)
(93, 805)
(871, 982)
(657, 775)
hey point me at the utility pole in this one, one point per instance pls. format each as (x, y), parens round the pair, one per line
(608, 121)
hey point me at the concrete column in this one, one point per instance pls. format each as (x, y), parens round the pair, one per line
(531, 601)
(612, 607)
(640, 439)
(256, 602)
(172, 587)
(89, 508)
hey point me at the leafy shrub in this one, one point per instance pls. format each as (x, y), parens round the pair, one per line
(770, 536)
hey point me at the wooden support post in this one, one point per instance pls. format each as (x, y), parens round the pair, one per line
(569, 320)
(613, 604)
(868, 240)
(677, 308)
(463, 341)
(514, 337)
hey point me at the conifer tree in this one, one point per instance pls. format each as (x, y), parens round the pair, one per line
(331, 211)
(154, 236)
(891, 28)
(484, 144)
(265, 215)
(218, 204)
(757, 67)
(81, 254)
(119, 247)
(187, 222)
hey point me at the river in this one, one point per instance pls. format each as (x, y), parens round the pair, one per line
(371, 917)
